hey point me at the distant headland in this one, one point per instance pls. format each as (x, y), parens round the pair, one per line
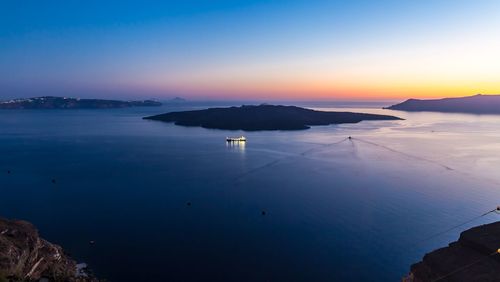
(176, 100)
(477, 104)
(50, 102)
(263, 117)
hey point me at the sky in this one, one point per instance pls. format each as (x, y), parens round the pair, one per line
(250, 49)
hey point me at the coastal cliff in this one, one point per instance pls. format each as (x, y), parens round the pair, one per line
(474, 257)
(24, 256)
(477, 104)
(50, 102)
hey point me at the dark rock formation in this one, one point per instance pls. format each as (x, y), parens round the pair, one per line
(72, 103)
(474, 257)
(478, 104)
(263, 117)
(24, 256)
(177, 100)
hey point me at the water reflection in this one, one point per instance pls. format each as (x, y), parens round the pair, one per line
(339, 201)
(236, 146)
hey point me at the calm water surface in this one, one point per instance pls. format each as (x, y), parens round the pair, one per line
(336, 209)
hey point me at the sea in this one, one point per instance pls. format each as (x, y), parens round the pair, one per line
(142, 200)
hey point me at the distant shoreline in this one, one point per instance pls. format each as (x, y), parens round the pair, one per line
(477, 104)
(50, 102)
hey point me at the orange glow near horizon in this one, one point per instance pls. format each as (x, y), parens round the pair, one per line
(441, 69)
(343, 88)
(304, 50)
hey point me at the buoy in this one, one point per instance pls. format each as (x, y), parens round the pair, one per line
(92, 242)
(349, 137)
(188, 203)
(53, 181)
(8, 171)
(263, 212)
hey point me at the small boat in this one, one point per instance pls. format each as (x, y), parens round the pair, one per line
(236, 139)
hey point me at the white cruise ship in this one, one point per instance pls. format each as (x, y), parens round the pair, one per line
(236, 139)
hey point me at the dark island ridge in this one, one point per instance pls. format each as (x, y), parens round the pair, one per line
(263, 117)
(50, 102)
(477, 104)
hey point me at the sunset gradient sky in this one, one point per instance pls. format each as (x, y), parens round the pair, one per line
(293, 49)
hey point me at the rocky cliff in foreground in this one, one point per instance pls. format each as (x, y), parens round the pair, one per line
(474, 257)
(24, 256)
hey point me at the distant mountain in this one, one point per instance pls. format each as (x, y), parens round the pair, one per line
(50, 102)
(177, 100)
(263, 117)
(478, 104)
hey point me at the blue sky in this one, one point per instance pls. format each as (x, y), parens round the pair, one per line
(248, 49)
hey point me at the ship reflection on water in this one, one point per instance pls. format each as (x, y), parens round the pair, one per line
(236, 146)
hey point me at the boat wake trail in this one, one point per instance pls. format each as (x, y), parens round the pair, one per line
(323, 147)
(405, 154)
(459, 172)
(354, 149)
(273, 163)
(254, 170)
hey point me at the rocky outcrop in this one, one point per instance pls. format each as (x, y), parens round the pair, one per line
(263, 117)
(474, 257)
(24, 256)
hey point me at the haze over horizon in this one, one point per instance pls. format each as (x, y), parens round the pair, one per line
(295, 50)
